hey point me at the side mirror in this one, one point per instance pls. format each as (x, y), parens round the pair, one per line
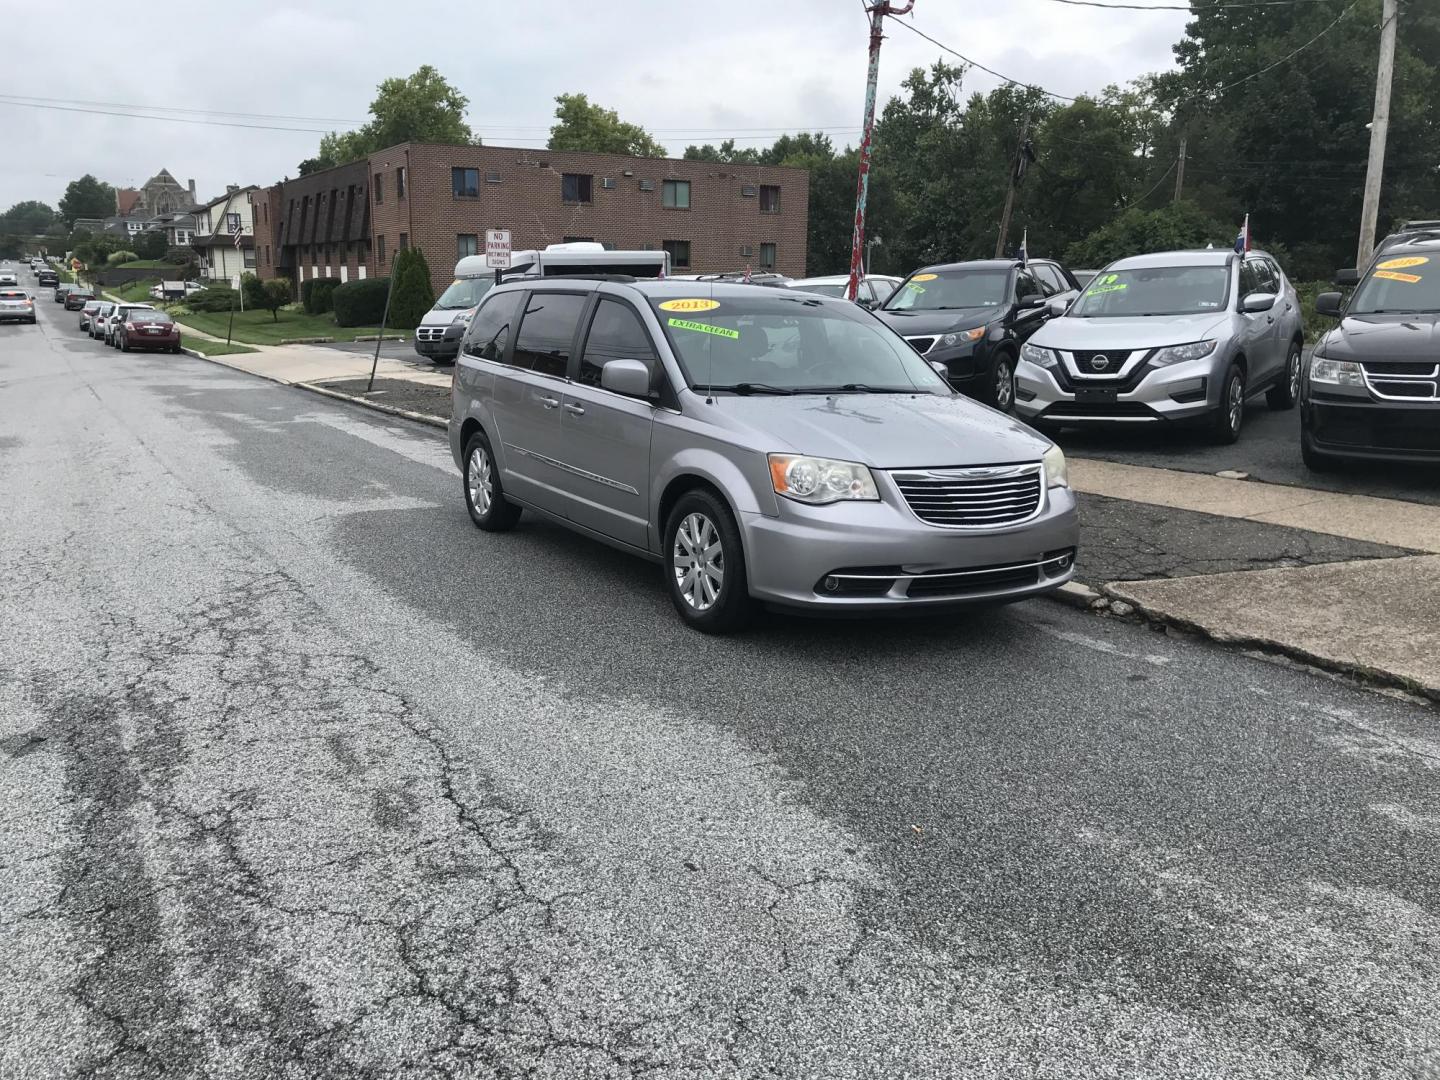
(1059, 305)
(1034, 300)
(1257, 302)
(941, 368)
(1329, 303)
(628, 377)
(1347, 278)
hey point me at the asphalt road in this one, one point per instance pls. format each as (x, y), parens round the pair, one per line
(302, 776)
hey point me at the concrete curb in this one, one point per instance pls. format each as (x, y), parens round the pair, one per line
(407, 414)
(1122, 604)
(1077, 595)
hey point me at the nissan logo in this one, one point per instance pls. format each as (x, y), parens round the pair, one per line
(1100, 363)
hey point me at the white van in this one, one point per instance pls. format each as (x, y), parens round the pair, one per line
(439, 333)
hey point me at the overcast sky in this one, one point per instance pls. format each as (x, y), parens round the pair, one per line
(687, 70)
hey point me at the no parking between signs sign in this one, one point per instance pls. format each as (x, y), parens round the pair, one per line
(497, 249)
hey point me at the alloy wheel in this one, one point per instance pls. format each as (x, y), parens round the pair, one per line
(1004, 385)
(1237, 402)
(1295, 375)
(698, 561)
(480, 482)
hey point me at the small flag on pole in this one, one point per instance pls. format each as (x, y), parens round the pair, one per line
(1025, 247)
(1242, 241)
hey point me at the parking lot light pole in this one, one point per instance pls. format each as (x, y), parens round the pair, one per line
(878, 11)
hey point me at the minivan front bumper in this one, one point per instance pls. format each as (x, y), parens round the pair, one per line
(869, 557)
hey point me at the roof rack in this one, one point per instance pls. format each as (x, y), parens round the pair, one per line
(623, 279)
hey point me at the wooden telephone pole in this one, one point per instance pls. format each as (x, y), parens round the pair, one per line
(1180, 171)
(1379, 129)
(1017, 172)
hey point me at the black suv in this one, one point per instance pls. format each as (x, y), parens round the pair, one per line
(1372, 387)
(971, 318)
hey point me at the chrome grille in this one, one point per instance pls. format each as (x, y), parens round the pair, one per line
(982, 498)
(430, 333)
(922, 345)
(1395, 381)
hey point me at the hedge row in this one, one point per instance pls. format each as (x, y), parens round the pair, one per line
(360, 303)
(317, 295)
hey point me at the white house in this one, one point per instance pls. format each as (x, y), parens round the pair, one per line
(218, 225)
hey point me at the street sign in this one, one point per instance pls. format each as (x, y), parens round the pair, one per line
(497, 248)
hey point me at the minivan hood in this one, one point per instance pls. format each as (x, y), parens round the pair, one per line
(1384, 337)
(440, 317)
(912, 324)
(1143, 332)
(886, 431)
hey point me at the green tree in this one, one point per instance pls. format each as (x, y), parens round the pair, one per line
(87, 198)
(1138, 231)
(151, 245)
(11, 246)
(120, 258)
(727, 153)
(273, 295)
(411, 295)
(581, 125)
(28, 218)
(421, 108)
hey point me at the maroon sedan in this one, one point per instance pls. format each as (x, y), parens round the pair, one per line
(150, 330)
(77, 298)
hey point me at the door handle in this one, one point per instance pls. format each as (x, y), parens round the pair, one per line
(571, 407)
(1270, 318)
(550, 402)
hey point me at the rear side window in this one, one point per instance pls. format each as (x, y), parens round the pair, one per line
(547, 331)
(616, 333)
(490, 330)
(1250, 280)
(1025, 285)
(1049, 278)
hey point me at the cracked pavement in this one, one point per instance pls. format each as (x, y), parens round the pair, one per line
(301, 776)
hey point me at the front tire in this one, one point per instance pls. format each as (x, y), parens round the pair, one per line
(705, 564)
(1225, 427)
(1001, 391)
(484, 497)
(124, 344)
(1283, 395)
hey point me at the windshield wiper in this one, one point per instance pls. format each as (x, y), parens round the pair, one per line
(859, 388)
(749, 388)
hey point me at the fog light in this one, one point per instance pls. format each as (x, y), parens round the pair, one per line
(832, 584)
(1063, 562)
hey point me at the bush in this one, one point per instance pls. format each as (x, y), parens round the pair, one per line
(214, 298)
(1136, 232)
(118, 258)
(360, 303)
(412, 296)
(317, 294)
(253, 290)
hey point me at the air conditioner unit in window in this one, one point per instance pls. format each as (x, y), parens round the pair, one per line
(647, 185)
(747, 251)
(607, 182)
(492, 178)
(748, 191)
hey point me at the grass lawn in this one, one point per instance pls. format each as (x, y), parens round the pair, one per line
(152, 264)
(258, 328)
(136, 291)
(212, 348)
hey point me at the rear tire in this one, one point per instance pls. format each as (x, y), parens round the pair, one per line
(484, 495)
(705, 565)
(1285, 393)
(1225, 425)
(124, 344)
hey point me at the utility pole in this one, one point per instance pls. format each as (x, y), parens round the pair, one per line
(1017, 173)
(1180, 171)
(1379, 128)
(878, 10)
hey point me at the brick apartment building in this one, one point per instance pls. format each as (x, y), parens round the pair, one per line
(350, 221)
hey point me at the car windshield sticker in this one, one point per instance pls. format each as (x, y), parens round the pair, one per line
(914, 288)
(1107, 283)
(1402, 264)
(1392, 275)
(704, 328)
(689, 304)
(924, 277)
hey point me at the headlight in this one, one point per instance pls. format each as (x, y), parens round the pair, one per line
(463, 318)
(1057, 473)
(1336, 372)
(820, 480)
(1045, 358)
(1178, 354)
(963, 337)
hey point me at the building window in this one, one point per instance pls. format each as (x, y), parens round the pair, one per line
(379, 188)
(579, 239)
(404, 241)
(767, 256)
(465, 183)
(267, 255)
(676, 195)
(232, 223)
(249, 257)
(575, 187)
(466, 244)
(400, 182)
(769, 198)
(679, 252)
(380, 250)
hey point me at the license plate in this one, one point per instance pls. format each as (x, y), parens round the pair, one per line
(153, 330)
(1090, 396)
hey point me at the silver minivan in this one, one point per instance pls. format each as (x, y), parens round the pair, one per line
(764, 445)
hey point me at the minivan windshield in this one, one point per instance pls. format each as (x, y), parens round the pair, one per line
(774, 343)
(944, 290)
(1154, 290)
(1399, 286)
(464, 293)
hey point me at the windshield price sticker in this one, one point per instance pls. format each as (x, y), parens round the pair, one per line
(704, 328)
(924, 277)
(1402, 264)
(914, 288)
(1392, 275)
(691, 304)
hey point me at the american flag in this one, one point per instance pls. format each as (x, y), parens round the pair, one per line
(239, 232)
(1242, 241)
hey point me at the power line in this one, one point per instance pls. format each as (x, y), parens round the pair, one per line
(982, 67)
(165, 119)
(1193, 8)
(21, 98)
(1284, 59)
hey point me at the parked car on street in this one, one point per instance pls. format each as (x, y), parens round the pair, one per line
(87, 311)
(7, 277)
(96, 329)
(77, 297)
(1174, 337)
(875, 289)
(1371, 389)
(973, 317)
(145, 328)
(118, 314)
(764, 445)
(16, 305)
(46, 278)
(61, 288)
